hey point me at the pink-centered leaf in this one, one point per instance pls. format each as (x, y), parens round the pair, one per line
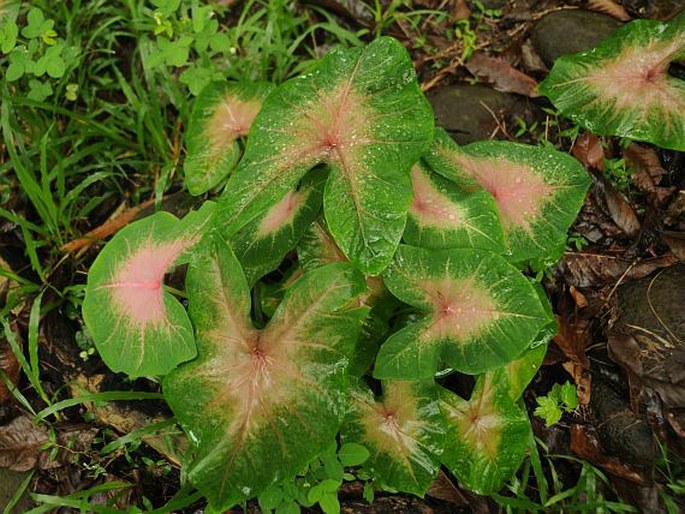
(487, 436)
(404, 432)
(443, 216)
(260, 404)
(360, 112)
(623, 86)
(538, 191)
(223, 112)
(137, 326)
(478, 312)
(263, 243)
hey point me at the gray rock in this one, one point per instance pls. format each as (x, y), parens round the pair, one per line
(570, 31)
(466, 112)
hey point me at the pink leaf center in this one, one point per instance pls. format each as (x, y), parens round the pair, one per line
(282, 214)
(429, 205)
(518, 191)
(460, 308)
(636, 78)
(137, 285)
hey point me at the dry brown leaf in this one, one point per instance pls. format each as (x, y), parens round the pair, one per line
(676, 242)
(619, 209)
(22, 442)
(578, 297)
(501, 75)
(572, 339)
(589, 151)
(460, 10)
(648, 172)
(609, 7)
(584, 269)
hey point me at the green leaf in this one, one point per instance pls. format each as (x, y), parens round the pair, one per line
(478, 312)
(487, 438)
(568, 395)
(360, 111)
(263, 243)
(353, 454)
(9, 10)
(538, 190)
(222, 113)
(623, 86)
(260, 404)
(34, 19)
(548, 409)
(289, 507)
(443, 216)
(38, 90)
(197, 77)
(15, 71)
(404, 433)
(137, 326)
(270, 498)
(8, 36)
(55, 67)
(329, 503)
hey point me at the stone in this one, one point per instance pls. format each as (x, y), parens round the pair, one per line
(570, 31)
(466, 112)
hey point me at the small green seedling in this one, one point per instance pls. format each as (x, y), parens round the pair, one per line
(563, 398)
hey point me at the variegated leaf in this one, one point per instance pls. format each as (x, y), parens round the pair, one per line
(137, 326)
(479, 312)
(223, 112)
(443, 216)
(623, 86)
(487, 437)
(404, 431)
(538, 190)
(360, 111)
(260, 404)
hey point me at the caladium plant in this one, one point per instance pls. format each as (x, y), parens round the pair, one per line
(222, 113)
(362, 113)
(623, 86)
(137, 326)
(403, 265)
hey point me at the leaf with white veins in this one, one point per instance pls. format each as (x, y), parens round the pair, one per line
(479, 312)
(404, 431)
(362, 113)
(137, 326)
(538, 190)
(222, 113)
(260, 404)
(623, 86)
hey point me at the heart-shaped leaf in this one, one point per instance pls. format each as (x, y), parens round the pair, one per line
(479, 313)
(538, 190)
(260, 404)
(263, 243)
(487, 438)
(404, 431)
(362, 112)
(222, 113)
(137, 327)
(623, 86)
(443, 216)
